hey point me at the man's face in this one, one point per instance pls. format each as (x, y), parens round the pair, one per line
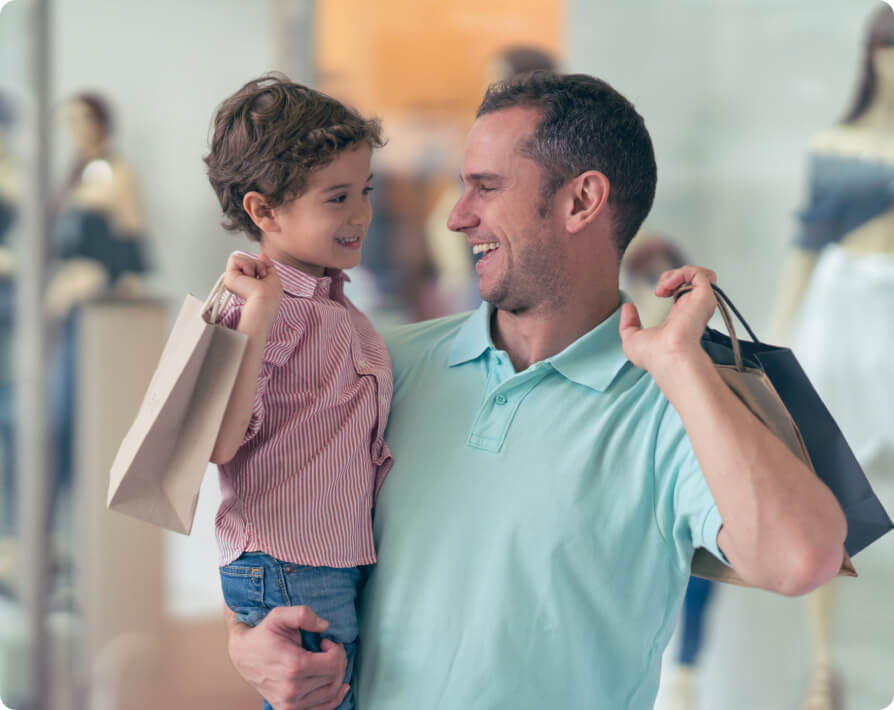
(522, 265)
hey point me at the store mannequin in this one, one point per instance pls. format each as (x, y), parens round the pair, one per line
(837, 295)
(99, 229)
(99, 252)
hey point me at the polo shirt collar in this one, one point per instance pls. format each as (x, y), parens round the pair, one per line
(593, 360)
(473, 339)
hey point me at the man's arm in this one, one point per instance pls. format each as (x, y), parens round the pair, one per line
(783, 529)
(270, 657)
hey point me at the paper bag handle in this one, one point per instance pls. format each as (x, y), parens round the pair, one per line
(722, 302)
(217, 300)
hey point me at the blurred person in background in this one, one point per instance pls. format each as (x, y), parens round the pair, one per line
(452, 262)
(646, 259)
(10, 195)
(98, 250)
(835, 306)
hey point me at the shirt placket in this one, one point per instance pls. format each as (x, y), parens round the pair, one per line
(505, 392)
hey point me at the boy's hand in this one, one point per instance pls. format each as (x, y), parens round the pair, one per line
(254, 279)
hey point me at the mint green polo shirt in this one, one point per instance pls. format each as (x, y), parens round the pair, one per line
(535, 533)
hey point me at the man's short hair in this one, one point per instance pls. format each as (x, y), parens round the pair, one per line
(270, 136)
(585, 125)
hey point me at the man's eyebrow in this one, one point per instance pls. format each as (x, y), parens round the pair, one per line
(479, 177)
(343, 185)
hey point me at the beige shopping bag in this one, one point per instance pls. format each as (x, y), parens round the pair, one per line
(158, 470)
(754, 388)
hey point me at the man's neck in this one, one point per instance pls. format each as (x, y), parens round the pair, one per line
(532, 337)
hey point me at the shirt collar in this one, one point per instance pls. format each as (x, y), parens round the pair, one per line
(473, 339)
(297, 283)
(593, 360)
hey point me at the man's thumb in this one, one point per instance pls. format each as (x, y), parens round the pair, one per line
(629, 322)
(297, 617)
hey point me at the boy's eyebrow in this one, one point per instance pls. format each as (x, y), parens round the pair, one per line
(343, 185)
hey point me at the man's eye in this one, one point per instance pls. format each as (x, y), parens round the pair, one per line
(338, 199)
(484, 188)
(367, 190)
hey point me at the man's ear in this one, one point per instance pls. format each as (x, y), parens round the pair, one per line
(260, 212)
(588, 197)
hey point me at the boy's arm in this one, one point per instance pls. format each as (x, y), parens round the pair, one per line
(258, 283)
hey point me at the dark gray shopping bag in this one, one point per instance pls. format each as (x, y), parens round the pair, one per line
(770, 381)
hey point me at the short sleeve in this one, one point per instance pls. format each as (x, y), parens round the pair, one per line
(231, 312)
(229, 318)
(685, 509)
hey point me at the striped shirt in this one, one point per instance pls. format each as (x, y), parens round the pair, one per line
(302, 485)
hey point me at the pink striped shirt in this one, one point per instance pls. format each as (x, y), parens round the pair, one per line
(302, 485)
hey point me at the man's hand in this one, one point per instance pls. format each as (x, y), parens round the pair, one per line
(681, 331)
(270, 657)
(254, 279)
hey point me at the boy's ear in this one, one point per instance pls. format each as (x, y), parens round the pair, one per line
(260, 212)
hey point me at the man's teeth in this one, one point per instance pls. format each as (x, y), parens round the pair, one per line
(347, 240)
(484, 248)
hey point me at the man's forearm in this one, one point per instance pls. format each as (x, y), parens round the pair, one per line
(782, 527)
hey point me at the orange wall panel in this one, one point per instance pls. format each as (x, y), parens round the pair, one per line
(395, 56)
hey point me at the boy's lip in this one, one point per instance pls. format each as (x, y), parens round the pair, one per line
(354, 242)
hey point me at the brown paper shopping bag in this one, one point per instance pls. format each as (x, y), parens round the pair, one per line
(158, 470)
(753, 387)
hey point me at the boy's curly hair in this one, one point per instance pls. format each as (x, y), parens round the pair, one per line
(270, 136)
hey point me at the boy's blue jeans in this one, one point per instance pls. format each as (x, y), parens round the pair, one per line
(256, 583)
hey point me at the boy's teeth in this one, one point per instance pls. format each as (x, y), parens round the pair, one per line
(484, 248)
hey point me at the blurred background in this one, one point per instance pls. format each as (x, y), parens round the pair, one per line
(107, 220)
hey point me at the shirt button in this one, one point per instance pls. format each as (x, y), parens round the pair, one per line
(383, 401)
(500, 399)
(361, 363)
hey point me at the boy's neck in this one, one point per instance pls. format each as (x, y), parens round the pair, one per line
(288, 260)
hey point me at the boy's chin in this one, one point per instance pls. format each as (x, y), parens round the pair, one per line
(347, 263)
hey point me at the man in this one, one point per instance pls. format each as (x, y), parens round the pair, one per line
(535, 534)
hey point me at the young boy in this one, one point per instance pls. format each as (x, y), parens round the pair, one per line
(300, 449)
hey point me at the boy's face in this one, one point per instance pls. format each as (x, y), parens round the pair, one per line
(326, 224)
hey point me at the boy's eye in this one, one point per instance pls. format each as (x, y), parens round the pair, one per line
(338, 199)
(367, 190)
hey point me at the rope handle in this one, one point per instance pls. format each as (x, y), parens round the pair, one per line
(724, 305)
(217, 300)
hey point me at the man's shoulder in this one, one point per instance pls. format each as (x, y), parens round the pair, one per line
(414, 342)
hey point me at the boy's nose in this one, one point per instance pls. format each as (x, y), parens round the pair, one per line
(363, 214)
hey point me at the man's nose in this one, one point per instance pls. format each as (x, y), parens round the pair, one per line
(461, 217)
